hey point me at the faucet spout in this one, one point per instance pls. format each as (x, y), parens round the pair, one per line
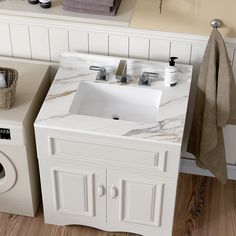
(121, 72)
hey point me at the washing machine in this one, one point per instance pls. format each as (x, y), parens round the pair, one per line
(19, 177)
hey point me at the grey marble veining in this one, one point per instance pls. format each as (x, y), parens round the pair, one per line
(74, 68)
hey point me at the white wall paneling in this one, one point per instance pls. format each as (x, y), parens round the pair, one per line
(20, 41)
(139, 47)
(159, 49)
(78, 41)
(5, 41)
(118, 45)
(98, 43)
(30, 40)
(197, 52)
(58, 42)
(182, 50)
(39, 40)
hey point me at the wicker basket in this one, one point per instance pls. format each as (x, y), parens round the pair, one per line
(7, 95)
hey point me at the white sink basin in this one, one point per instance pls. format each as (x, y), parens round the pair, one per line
(116, 102)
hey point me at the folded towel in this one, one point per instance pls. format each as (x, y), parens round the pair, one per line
(70, 5)
(215, 107)
(87, 6)
(98, 2)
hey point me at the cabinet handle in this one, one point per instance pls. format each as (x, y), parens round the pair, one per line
(101, 190)
(114, 192)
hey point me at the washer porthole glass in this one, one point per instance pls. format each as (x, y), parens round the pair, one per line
(2, 172)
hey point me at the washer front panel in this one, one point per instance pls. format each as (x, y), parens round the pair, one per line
(16, 135)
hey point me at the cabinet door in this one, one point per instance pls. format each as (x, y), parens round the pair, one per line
(73, 193)
(140, 203)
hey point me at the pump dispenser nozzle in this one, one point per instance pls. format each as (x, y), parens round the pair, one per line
(172, 61)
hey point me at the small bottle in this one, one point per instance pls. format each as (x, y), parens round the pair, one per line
(171, 73)
(45, 3)
(3, 83)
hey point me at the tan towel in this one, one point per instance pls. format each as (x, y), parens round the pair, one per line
(215, 107)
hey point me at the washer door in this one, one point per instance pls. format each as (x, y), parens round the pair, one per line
(7, 173)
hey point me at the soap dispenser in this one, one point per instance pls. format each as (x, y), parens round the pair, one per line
(2, 81)
(171, 73)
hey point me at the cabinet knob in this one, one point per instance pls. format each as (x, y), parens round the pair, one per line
(114, 192)
(101, 190)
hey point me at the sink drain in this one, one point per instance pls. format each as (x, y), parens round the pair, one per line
(115, 117)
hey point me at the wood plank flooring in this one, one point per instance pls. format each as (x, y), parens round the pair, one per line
(204, 207)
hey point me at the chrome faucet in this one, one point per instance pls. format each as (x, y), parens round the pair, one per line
(147, 78)
(121, 72)
(102, 74)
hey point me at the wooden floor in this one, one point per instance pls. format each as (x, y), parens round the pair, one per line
(204, 207)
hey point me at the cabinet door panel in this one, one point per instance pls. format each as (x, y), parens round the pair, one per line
(142, 203)
(71, 193)
(74, 192)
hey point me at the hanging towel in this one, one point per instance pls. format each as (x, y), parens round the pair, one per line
(215, 107)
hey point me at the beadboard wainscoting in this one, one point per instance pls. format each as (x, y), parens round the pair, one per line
(44, 39)
(41, 39)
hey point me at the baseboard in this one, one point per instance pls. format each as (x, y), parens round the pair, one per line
(189, 166)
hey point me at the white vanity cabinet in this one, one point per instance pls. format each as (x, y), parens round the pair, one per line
(115, 175)
(113, 184)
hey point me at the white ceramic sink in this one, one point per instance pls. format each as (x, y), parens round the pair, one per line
(116, 102)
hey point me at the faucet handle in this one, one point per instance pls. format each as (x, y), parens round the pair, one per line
(101, 72)
(147, 78)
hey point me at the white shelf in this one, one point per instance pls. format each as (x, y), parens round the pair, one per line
(23, 8)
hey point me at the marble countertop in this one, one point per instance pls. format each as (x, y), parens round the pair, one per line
(74, 68)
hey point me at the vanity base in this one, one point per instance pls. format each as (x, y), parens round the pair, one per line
(107, 183)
